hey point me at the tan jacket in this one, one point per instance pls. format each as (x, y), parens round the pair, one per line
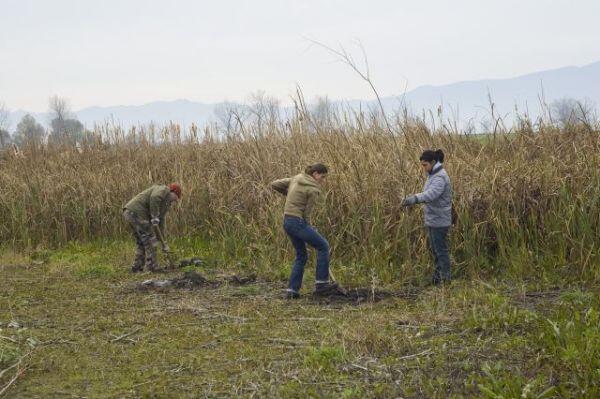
(301, 192)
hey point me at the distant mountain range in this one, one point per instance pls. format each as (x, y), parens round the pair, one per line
(462, 101)
(160, 112)
(471, 99)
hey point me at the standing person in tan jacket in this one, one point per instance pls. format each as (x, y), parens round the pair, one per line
(301, 192)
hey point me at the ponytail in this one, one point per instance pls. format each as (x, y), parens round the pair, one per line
(430, 156)
(318, 168)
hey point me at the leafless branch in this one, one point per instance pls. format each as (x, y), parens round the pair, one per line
(344, 56)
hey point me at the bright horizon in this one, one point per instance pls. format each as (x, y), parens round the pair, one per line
(137, 52)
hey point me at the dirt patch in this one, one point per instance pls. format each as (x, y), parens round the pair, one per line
(358, 296)
(191, 262)
(188, 280)
(234, 279)
(538, 300)
(195, 280)
(354, 296)
(192, 280)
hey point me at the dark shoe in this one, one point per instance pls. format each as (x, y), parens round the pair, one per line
(137, 269)
(158, 270)
(439, 283)
(291, 294)
(326, 289)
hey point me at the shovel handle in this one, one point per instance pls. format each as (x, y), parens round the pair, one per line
(163, 242)
(160, 235)
(342, 289)
(331, 276)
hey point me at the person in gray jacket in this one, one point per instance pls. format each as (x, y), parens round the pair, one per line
(437, 197)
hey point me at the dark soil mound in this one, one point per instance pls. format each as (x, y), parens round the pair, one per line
(240, 280)
(354, 296)
(195, 280)
(191, 279)
(191, 262)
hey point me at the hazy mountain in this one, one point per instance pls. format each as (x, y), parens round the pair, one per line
(461, 101)
(470, 99)
(160, 112)
(182, 111)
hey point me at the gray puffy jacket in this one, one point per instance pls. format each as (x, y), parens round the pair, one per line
(437, 195)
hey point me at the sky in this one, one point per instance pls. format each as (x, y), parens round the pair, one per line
(129, 52)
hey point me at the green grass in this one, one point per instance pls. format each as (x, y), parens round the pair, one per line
(89, 331)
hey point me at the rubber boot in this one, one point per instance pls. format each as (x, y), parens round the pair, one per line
(138, 263)
(151, 260)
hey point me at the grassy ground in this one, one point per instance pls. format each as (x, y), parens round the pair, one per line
(74, 323)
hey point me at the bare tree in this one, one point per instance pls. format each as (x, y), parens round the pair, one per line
(264, 108)
(59, 107)
(5, 138)
(65, 127)
(4, 117)
(231, 116)
(569, 112)
(365, 74)
(323, 111)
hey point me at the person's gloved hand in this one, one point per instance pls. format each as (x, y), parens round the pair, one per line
(155, 221)
(410, 200)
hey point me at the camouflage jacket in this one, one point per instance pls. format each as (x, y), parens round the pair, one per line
(151, 203)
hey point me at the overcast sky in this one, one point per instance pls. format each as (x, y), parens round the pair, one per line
(126, 52)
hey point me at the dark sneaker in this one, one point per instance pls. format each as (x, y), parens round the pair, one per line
(291, 294)
(440, 283)
(326, 289)
(137, 269)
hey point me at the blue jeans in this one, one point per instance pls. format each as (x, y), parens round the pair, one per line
(301, 233)
(438, 241)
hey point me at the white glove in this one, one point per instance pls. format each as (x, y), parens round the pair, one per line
(155, 221)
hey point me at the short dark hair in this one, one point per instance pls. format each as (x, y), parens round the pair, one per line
(430, 156)
(318, 167)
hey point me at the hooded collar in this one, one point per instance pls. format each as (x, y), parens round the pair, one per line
(436, 168)
(308, 180)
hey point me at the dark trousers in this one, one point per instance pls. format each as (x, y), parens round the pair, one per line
(438, 241)
(301, 233)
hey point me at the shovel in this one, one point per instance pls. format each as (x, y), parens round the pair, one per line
(342, 289)
(169, 254)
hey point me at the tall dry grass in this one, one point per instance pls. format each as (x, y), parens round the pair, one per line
(528, 200)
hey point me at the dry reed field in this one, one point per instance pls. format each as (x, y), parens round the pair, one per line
(519, 320)
(528, 202)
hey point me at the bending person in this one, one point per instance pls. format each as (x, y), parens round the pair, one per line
(301, 192)
(437, 196)
(147, 211)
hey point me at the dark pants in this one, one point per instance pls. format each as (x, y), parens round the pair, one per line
(301, 233)
(438, 241)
